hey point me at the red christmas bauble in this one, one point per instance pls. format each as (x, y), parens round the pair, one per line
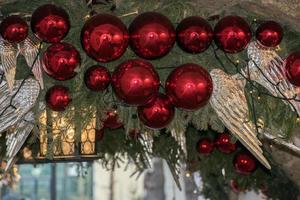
(50, 23)
(104, 37)
(292, 68)
(269, 34)
(158, 113)
(99, 134)
(58, 98)
(14, 29)
(112, 120)
(232, 34)
(194, 34)
(97, 78)
(61, 60)
(235, 187)
(135, 82)
(224, 144)
(205, 146)
(244, 163)
(134, 133)
(189, 86)
(152, 35)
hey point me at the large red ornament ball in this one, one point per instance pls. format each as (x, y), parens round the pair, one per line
(232, 34)
(269, 34)
(97, 78)
(61, 60)
(224, 144)
(152, 35)
(189, 86)
(244, 163)
(111, 120)
(158, 113)
(135, 82)
(50, 23)
(14, 29)
(58, 98)
(194, 34)
(104, 37)
(205, 146)
(292, 68)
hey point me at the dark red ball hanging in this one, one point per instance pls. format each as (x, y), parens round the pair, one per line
(235, 187)
(58, 98)
(134, 133)
(292, 68)
(104, 37)
(14, 29)
(194, 34)
(111, 120)
(135, 82)
(152, 35)
(244, 163)
(99, 134)
(232, 34)
(50, 23)
(97, 78)
(205, 146)
(269, 34)
(158, 113)
(189, 86)
(224, 144)
(61, 60)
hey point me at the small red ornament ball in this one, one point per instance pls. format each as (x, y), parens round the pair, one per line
(14, 29)
(189, 86)
(99, 134)
(58, 98)
(61, 60)
(194, 34)
(104, 37)
(292, 68)
(152, 35)
(158, 113)
(244, 163)
(205, 146)
(235, 187)
(232, 34)
(97, 78)
(111, 120)
(134, 133)
(269, 34)
(224, 144)
(135, 82)
(50, 23)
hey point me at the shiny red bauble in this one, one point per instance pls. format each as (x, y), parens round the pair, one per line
(61, 60)
(135, 82)
(97, 78)
(50, 23)
(158, 113)
(244, 163)
(224, 144)
(189, 86)
(269, 34)
(58, 98)
(104, 37)
(232, 34)
(152, 35)
(205, 146)
(194, 34)
(292, 68)
(111, 120)
(14, 29)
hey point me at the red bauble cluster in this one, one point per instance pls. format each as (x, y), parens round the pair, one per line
(205, 146)
(97, 78)
(224, 144)
(58, 98)
(104, 37)
(244, 163)
(14, 29)
(269, 34)
(292, 68)
(111, 120)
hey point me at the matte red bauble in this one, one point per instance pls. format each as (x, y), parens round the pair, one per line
(58, 98)
(232, 34)
(194, 34)
(14, 29)
(97, 78)
(50, 23)
(224, 144)
(135, 82)
(269, 34)
(112, 120)
(292, 68)
(61, 60)
(152, 35)
(134, 133)
(158, 113)
(104, 37)
(205, 146)
(244, 163)
(189, 86)
(235, 187)
(99, 134)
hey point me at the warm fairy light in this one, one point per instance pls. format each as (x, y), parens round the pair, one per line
(298, 119)
(237, 61)
(188, 174)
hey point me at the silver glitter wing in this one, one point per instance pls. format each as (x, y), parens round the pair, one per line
(229, 102)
